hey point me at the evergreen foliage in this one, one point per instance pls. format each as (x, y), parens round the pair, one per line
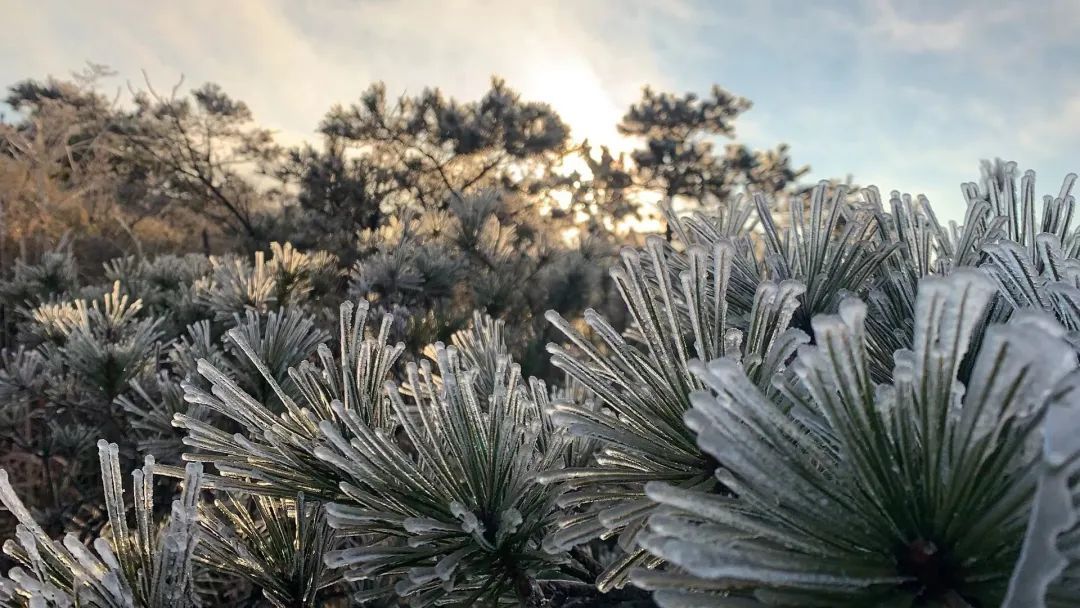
(848, 407)
(145, 566)
(796, 397)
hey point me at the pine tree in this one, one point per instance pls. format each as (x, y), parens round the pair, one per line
(849, 405)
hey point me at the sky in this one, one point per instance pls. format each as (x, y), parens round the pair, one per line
(907, 95)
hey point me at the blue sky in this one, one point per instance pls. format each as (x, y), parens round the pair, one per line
(907, 95)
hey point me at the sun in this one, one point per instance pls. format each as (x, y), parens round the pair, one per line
(577, 93)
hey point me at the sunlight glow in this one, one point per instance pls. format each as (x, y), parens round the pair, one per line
(578, 94)
(574, 90)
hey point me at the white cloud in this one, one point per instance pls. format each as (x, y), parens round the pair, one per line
(943, 34)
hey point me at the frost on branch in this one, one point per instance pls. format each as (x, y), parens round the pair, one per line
(275, 453)
(278, 545)
(851, 493)
(682, 309)
(460, 520)
(147, 566)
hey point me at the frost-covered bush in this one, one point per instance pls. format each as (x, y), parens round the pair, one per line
(843, 403)
(486, 252)
(144, 566)
(846, 492)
